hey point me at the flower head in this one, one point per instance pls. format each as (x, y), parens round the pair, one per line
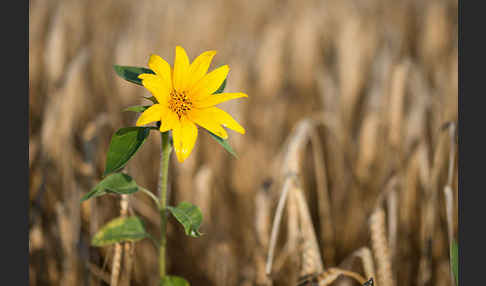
(185, 98)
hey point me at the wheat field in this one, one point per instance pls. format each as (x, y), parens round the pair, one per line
(349, 161)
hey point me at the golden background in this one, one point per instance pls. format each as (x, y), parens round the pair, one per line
(362, 88)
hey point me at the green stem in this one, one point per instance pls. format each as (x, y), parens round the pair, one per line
(164, 170)
(152, 196)
(153, 240)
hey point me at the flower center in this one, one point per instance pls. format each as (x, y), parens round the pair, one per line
(179, 103)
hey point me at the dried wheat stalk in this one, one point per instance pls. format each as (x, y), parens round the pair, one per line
(325, 215)
(293, 231)
(128, 251)
(311, 261)
(262, 229)
(97, 272)
(301, 234)
(396, 103)
(276, 226)
(366, 257)
(329, 276)
(380, 247)
(115, 268)
(429, 218)
(448, 192)
(392, 208)
(290, 169)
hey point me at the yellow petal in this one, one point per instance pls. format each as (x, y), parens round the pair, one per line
(156, 85)
(169, 120)
(161, 68)
(151, 114)
(184, 135)
(181, 68)
(226, 120)
(199, 67)
(205, 119)
(210, 82)
(213, 99)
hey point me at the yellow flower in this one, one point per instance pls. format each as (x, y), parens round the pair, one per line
(185, 98)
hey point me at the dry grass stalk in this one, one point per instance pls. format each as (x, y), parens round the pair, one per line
(448, 192)
(117, 256)
(366, 257)
(55, 52)
(99, 273)
(290, 169)
(262, 215)
(293, 231)
(128, 251)
(450, 176)
(354, 64)
(262, 229)
(381, 250)
(324, 203)
(311, 261)
(67, 230)
(329, 276)
(442, 271)
(392, 208)
(299, 220)
(276, 225)
(436, 36)
(410, 189)
(430, 213)
(425, 270)
(396, 103)
(368, 147)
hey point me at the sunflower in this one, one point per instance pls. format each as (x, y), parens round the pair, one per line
(185, 98)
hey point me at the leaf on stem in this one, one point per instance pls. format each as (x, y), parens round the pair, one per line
(189, 216)
(124, 144)
(152, 98)
(223, 143)
(221, 87)
(117, 183)
(131, 73)
(137, 108)
(119, 230)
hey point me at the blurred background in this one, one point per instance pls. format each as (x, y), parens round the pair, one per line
(358, 98)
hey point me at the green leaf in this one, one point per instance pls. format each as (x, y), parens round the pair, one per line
(189, 216)
(124, 144)
(223, 143)
(221, 87)
(455, 260)
(117, 183)
(131, 73)
(153, 99)
(173, 281)
(120, 230)
(137, 108)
